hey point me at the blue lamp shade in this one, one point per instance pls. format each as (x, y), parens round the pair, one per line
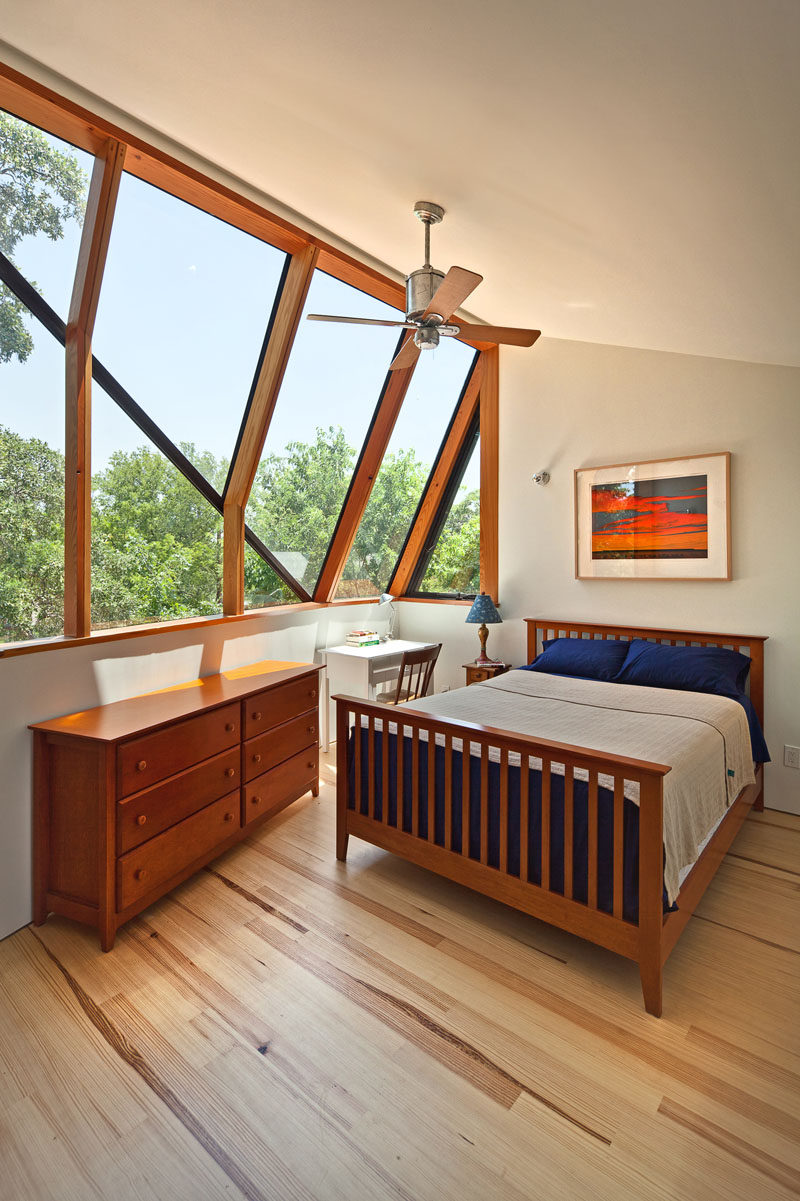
(483, 612)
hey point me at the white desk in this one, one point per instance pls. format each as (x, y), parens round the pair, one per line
(367, 671)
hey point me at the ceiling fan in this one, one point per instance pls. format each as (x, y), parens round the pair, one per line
(431, 299)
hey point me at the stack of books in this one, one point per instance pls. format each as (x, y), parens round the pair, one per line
(362, 638)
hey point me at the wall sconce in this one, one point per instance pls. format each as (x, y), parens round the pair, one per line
(541, 477)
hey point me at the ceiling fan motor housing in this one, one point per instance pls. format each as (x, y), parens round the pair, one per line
(420, 287)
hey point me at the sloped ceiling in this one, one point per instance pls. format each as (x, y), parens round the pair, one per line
(623, 172)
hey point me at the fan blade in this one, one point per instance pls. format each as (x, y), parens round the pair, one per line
(452, 292)
(407, 357)
(361, 320)
(498, 333)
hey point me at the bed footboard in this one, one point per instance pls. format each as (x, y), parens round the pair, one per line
(468, 811)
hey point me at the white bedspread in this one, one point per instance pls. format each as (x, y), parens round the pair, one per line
(704, 739)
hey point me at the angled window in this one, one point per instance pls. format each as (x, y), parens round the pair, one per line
(327, 399)
(156, 540)
(450, 563)
(185, 304)
(43, 184)
(435, 389)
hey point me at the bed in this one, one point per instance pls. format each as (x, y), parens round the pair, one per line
(562, 829)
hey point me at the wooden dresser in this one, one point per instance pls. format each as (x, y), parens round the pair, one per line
(132, 798)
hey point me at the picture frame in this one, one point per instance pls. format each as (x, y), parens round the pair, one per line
(658, 519)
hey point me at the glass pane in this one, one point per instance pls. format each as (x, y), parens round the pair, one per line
(455, 564)
(262, 586)
(32, 489)
(184, 307)
(427, 409)
(156, 542)
(43, 188)
(327, 399)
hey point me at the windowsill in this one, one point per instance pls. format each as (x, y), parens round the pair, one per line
(34, 646)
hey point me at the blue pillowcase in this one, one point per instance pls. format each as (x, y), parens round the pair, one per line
(691, 668)
(588, 658)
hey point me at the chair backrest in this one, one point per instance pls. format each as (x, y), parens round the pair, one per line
(416, 670)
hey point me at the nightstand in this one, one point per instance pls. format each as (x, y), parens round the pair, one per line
(476, 672)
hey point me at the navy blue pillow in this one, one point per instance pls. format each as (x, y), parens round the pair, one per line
(691, 668)
(589, 658)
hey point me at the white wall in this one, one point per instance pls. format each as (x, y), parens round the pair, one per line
(572, 404)
(47, 684)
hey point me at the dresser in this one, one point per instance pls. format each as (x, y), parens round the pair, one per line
(133, 797)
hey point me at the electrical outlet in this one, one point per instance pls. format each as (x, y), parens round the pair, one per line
(791, 756)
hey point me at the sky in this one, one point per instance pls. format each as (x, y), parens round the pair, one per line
(183, 309)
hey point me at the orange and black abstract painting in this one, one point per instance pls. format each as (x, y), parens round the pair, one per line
(651, 519)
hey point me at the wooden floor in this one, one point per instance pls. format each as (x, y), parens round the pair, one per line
(284, 1026)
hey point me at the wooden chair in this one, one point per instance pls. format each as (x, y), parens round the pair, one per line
(416, 672)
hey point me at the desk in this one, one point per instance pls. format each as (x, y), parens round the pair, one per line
(366, 671)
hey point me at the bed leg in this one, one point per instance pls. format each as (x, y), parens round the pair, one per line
(342, 730)
(651, 972)
(758, 803)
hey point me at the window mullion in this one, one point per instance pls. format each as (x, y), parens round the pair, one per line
(77, 451)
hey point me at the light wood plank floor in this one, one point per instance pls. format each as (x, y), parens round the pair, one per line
(287, 1027)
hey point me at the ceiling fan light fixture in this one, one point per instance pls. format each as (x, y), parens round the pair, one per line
(427, 337)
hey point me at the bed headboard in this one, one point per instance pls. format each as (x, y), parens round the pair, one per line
(540, 628)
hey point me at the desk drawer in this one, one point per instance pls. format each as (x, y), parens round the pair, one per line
(158, 860)
(270, 749)
(275, 705)
(147, 813)
(274, 788)
(145, 761)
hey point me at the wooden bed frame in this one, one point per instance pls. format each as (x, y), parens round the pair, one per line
(648, 941)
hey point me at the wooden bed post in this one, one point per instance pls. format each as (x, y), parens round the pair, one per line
(342, 786)
(651, 885)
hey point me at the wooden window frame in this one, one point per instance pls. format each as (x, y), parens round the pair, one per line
(114, 148)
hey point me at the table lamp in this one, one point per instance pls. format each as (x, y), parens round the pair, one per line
(483, 611)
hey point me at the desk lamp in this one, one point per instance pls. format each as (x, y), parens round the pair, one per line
(387, 599)
(483, 611)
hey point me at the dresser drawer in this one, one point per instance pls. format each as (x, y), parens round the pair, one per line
(285, 782)
(156, 861)
(267, 750)
(275, 705)
(145, 761)
(147, 813)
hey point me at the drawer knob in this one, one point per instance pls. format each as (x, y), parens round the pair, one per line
(141, 819)
(230, 727)
(256, 758)
(257, 715)
(230, 771)
(313, 692)
(141, 765)
(310, 764)
(140, 874)
(228, 817)
(310, 729)
(256, 800)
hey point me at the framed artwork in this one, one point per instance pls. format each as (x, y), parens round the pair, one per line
(663, 519)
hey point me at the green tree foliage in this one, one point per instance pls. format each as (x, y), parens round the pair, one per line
(31, 538)
(156, 543)
(40, 188)
(455, 565)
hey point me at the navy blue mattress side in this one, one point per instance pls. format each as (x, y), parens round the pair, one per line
(580, 849)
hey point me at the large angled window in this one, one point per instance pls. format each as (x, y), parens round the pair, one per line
(156, 541)
(43, 184)
(435, 389)
(333, 379)
(184, 307)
